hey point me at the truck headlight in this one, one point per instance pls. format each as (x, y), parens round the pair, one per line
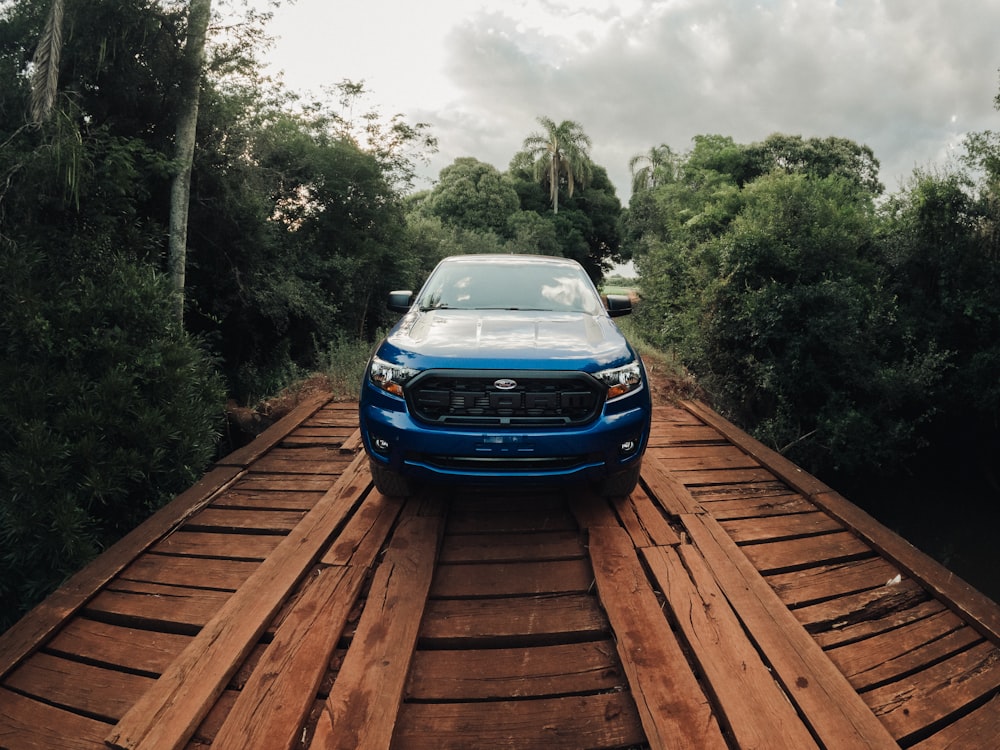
(389, 377)
(621, 380)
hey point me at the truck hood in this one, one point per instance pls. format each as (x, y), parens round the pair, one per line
(505, 339)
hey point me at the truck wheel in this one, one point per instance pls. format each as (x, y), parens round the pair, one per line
(621, 485)
(388, 482)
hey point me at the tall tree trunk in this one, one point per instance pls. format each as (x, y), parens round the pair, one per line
(187, 120)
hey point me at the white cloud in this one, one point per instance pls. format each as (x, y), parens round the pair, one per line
(907, 79)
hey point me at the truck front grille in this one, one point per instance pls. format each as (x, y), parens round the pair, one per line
(464, 397)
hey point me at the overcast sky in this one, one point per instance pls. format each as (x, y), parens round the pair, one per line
(906, 77)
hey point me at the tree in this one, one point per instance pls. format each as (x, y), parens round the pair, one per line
(559, 153)
(474, 195)
(187, 123)
(653, 168)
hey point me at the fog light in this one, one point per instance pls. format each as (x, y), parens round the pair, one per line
(380, 444)
(628, 447)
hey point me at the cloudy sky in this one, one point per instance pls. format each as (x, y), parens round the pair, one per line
(906, 77)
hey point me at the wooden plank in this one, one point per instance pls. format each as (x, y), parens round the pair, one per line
(363, 536)
(644, 520)
(192, 572)
(511, 579)
(839, 718)
(814, 584)
(913, 703)
(167, 715)
(548, 545)
(274, 434)
(754, 708)
(289, 500)
(137, 650)
(672, 707)
(273, 704)
(772, 557)
(666, 488)
(981, 611)
(863, 606)
(461, 623)
(535, 671)
(561, 723)
(889, 656)
(362, 706)
(254, 547)
(845, 634)
(94, 691)
(151, 605)
(967, 731)
(37, 626)
(775, 528)
(258, 520)
(27, 724)
(758, 505)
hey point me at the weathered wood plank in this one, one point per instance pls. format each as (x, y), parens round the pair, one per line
(665, 487)
(563, 723)
(151, 605)
(461, 623)
(84, 688)
(511, 579)
(247, 499)
(134, 649)
(758, 505)
(772, 557)
(644, 520)
(775, 528)
(27, 724)
(839, 718)
(274, 434)
(811, 585)
(254, 547)
(844, 634)
(863, 606)
(919, 700)
(968, 731)
(366, 532)
(487, 674)
(549, 545)
(754, 707)
(362, 706)
(37, 626)
(979, 610)
(258, 520)
(167, 715)
(271, 708)
(897, 654)
(672, 707)
(192, 572)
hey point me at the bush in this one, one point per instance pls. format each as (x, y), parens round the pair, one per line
(107, 410)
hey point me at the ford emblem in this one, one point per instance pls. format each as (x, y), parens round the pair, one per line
(505, 384)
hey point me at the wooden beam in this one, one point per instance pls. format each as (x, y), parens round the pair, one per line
(674, 710)
(362, 707)
(166, 716)
(978, 609)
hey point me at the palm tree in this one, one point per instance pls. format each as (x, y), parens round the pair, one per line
(659, 166)
(45, 73)
(560, 151)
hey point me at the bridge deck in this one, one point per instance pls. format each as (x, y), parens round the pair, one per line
(731, 602)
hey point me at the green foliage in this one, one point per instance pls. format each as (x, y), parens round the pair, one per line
(759, 268)
(106, 411)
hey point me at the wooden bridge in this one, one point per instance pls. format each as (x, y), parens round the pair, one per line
(732, 601)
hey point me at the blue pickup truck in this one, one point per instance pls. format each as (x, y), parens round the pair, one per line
(506, 369)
